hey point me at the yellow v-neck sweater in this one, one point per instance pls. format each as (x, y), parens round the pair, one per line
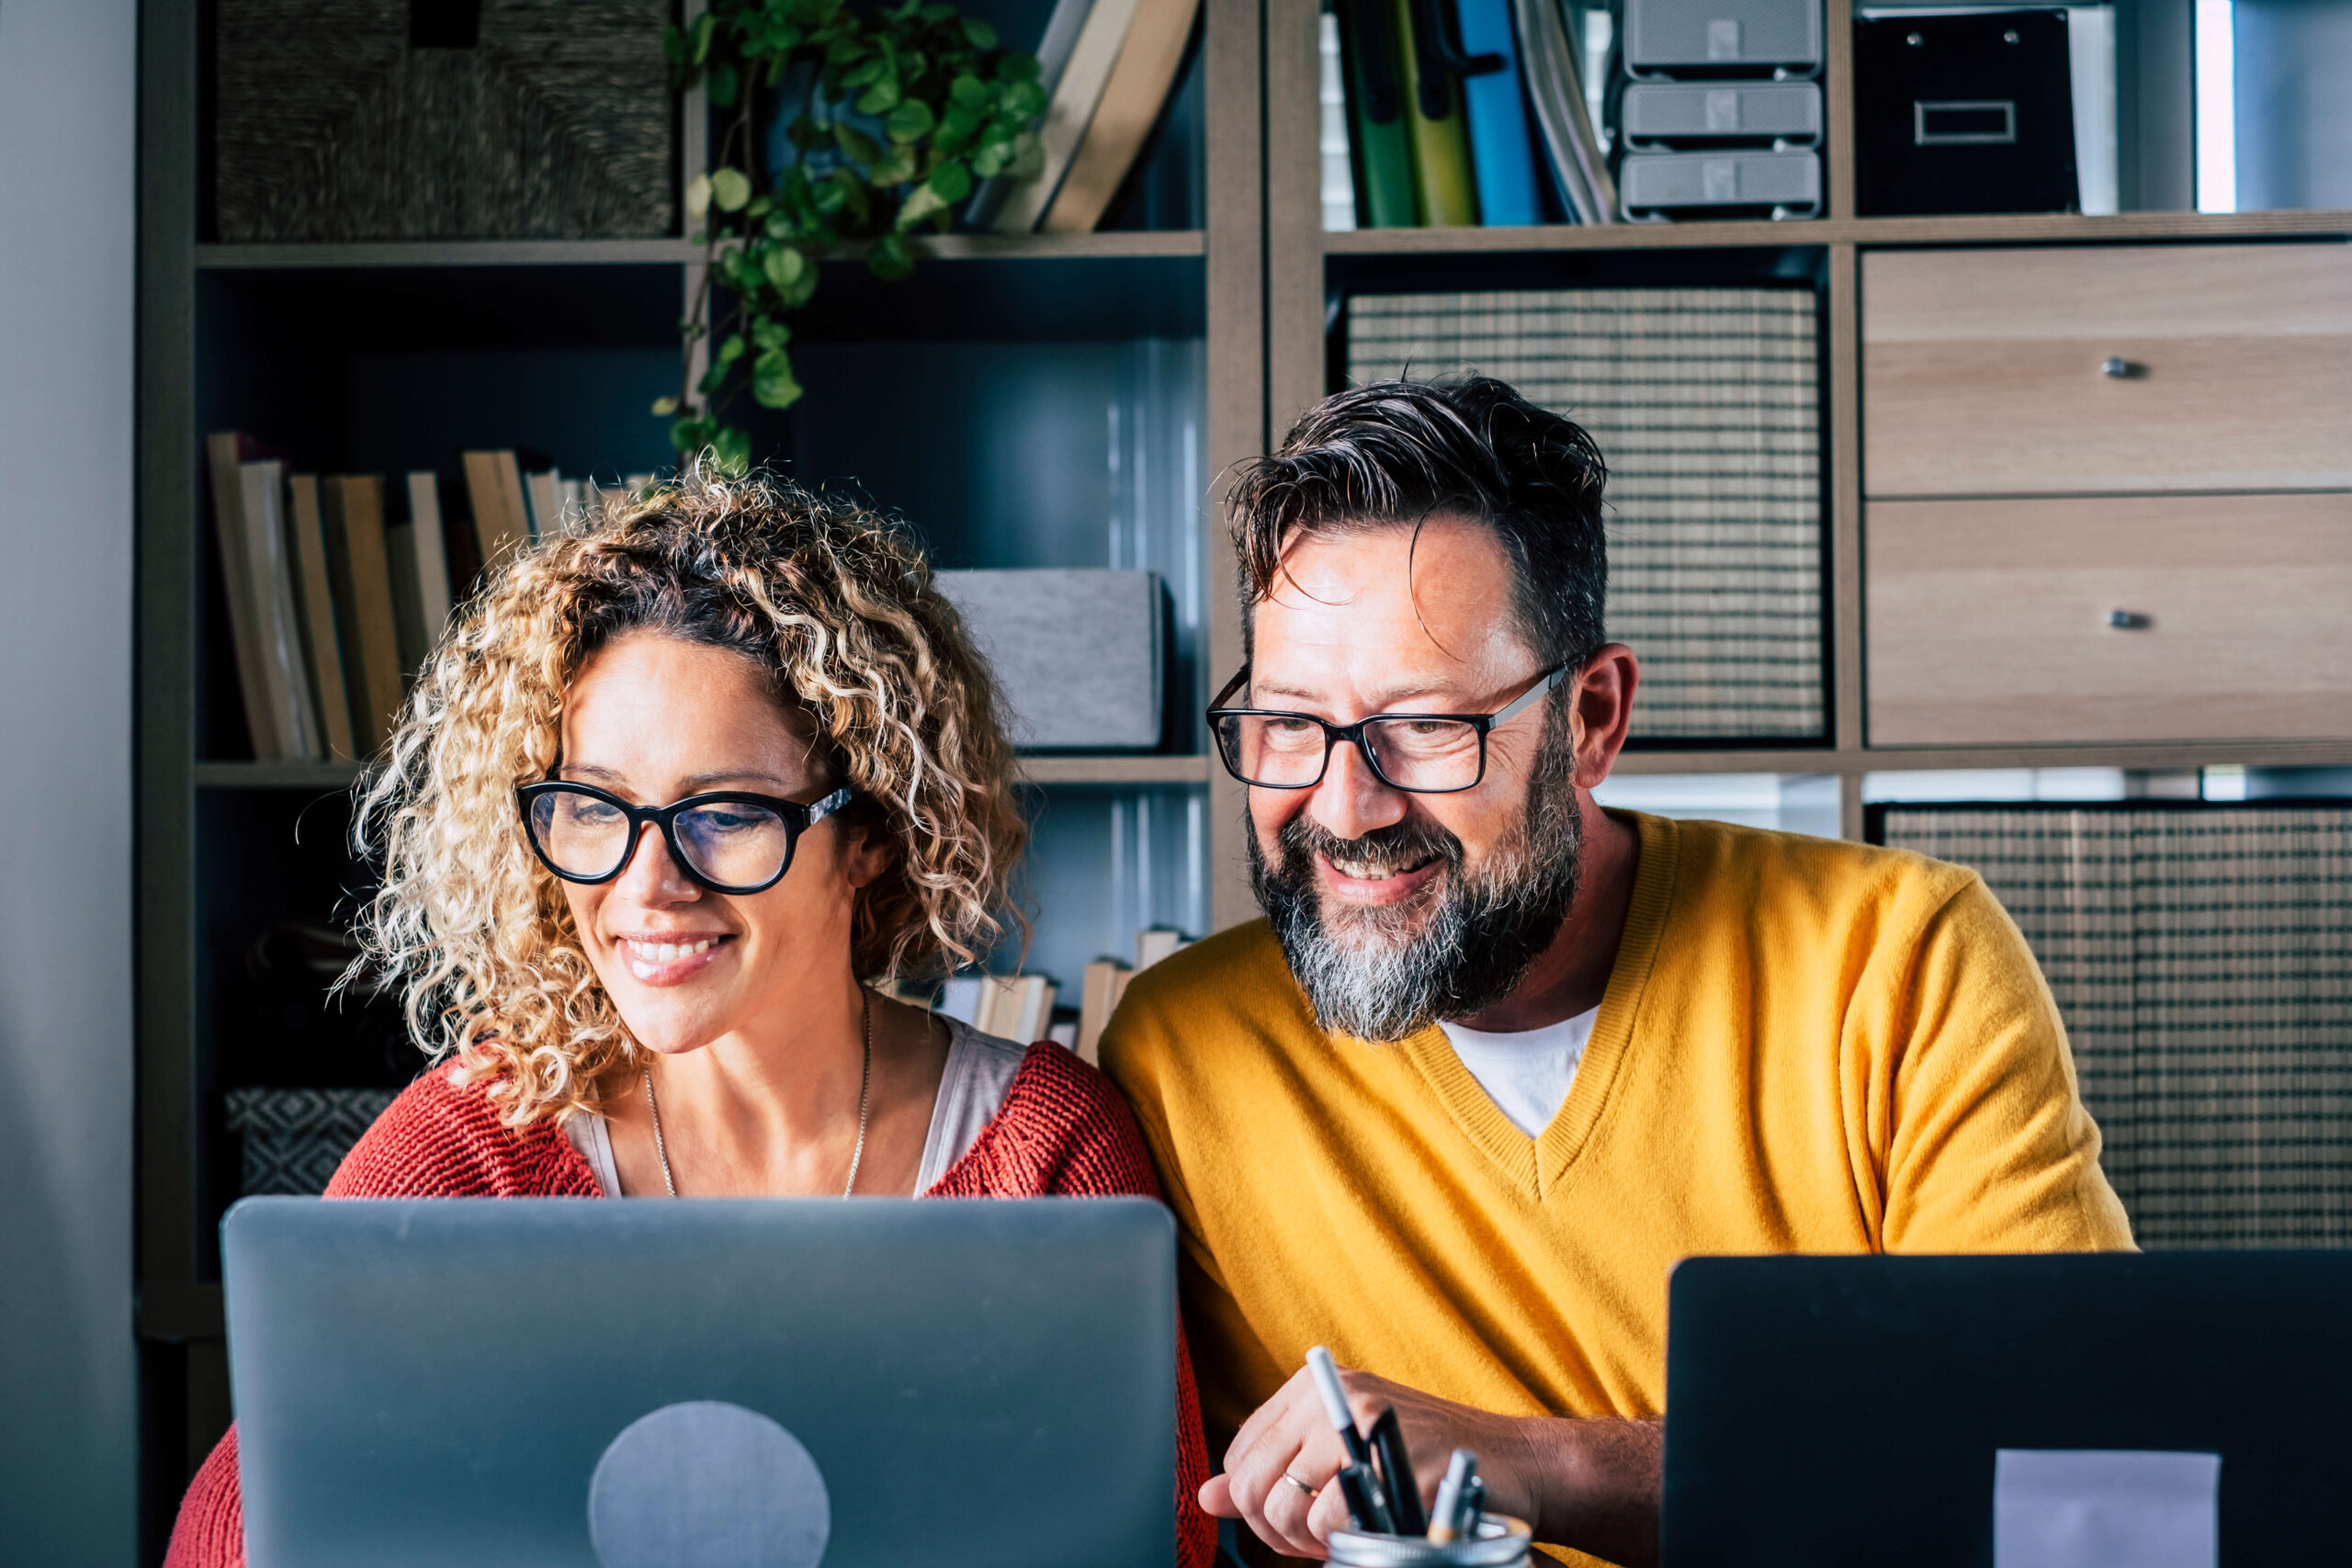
(1805, 1046)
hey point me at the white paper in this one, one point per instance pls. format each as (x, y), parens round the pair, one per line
(2102, 1508)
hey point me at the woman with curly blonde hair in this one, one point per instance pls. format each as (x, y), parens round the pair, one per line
(679, 794)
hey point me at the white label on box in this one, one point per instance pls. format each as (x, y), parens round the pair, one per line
(1722, 39)
(1722, 178)
(2105, 1508)
(1722, 110)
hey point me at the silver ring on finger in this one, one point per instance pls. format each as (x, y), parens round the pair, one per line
(1303, 1486)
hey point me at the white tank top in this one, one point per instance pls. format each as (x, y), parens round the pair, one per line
(979, 1074)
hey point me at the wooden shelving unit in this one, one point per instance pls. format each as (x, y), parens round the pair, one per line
(230, 332)
(1308, 268)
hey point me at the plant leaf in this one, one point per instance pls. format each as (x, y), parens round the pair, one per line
(890, 259)
(730, 189)
(770, 332)
(910, 121)
(773, 384)
(922, 204)
(784, 267)
(952, 180)
(881, 97)
(731, 449)
(854, 144)
(720, 86)
(732, 349)
(697, 196)
(978, 33)
(664, 407)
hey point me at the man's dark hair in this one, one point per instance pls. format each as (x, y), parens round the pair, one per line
(1400, 452)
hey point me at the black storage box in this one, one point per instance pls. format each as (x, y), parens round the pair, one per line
(1965, 114)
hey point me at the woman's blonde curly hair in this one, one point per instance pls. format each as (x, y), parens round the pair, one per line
(836, 603)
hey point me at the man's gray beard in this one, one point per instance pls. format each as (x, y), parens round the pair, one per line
(1383, 973)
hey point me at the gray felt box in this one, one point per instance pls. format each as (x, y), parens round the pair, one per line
(1662, 185)
(1678, 114)
(1078, 654)
(1729, 36)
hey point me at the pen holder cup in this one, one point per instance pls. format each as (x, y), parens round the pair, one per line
(1499, 1541)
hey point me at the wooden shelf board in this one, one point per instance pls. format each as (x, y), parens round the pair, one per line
(2166, 756)
(390, 253)
(1115, 770)
(1989, 228)
(275, 775)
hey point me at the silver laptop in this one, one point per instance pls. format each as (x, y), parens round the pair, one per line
(759, 1384)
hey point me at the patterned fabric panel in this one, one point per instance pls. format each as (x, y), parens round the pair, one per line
(1706, 405)
(2202, 960)
(294, 1138)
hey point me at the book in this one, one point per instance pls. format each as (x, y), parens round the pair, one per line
(371, 656)
(267, 557)
(1555, 92)
(321, 642)
(225, 451)
(1706, 401)
(1134, 97)
(1440, 154)
(1331, 128)
(1098, 997)
(1063, 1031)
(1494, 104)
(408, 599)
(1156, 943)
(426, 539)
(1068, 112)
(1031, 999)
(1380, 148)
(544, 493)
(959, 998)
(495, 490)
(1053, 53)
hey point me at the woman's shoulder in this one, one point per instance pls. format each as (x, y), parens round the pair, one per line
(442, 1138)
(1062, 1129)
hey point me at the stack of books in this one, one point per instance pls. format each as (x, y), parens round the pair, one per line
(1458, 112)
(1706, 405)
(2201, 957)
(1021, 1007)
(1108, 68)
(335, 602)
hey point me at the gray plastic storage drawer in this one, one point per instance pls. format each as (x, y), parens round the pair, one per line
(1078, 653)
(1727, 36)
(1683, 113)
(1657, 186)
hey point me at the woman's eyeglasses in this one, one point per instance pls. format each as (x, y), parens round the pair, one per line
(1421, 753)
(726, 840)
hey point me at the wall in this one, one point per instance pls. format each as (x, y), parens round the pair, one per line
(68, 74)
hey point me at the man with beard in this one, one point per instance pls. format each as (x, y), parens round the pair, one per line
(1498, 1058)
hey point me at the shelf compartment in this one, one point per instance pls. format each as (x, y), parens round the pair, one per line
(2043, 227)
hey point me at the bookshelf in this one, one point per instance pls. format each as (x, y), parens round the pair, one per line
(1309, 271)
(384, 356)
(1207, 327)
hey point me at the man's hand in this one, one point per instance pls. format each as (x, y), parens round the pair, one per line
(1589, 1484)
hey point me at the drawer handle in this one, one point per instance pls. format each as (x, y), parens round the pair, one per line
(2128, 621)
(2118, 368)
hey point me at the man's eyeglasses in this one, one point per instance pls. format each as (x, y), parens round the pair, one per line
(728, 841)
(1423, 753)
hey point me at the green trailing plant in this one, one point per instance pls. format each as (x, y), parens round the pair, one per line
(892, 116)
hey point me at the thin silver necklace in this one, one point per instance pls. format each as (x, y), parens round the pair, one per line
(865, 1086)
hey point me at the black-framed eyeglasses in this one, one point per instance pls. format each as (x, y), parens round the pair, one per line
(1421, 753)
(726, 840)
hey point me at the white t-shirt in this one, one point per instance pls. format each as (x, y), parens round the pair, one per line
(1526, 1074)
(979, 1073)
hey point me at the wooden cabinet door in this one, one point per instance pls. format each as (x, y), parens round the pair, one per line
(2125, 369)
(2108, 619)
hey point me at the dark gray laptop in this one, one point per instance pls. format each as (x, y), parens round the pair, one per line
(657, 1385)
(1844, 1412)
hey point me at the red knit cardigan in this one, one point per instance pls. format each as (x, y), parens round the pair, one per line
(1062, 1129)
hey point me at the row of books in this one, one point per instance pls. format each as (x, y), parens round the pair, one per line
(334, 602)
(1447, 113)
(1108, 68)
(1021, 1007)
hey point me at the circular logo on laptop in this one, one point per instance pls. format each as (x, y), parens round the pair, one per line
(707, 1484)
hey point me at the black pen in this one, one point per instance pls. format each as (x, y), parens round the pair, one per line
(1357, 1484)
(1397, 1470)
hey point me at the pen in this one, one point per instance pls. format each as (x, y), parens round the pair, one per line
(1464, 1465)
(1335, 1404)
(1397, 1470)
